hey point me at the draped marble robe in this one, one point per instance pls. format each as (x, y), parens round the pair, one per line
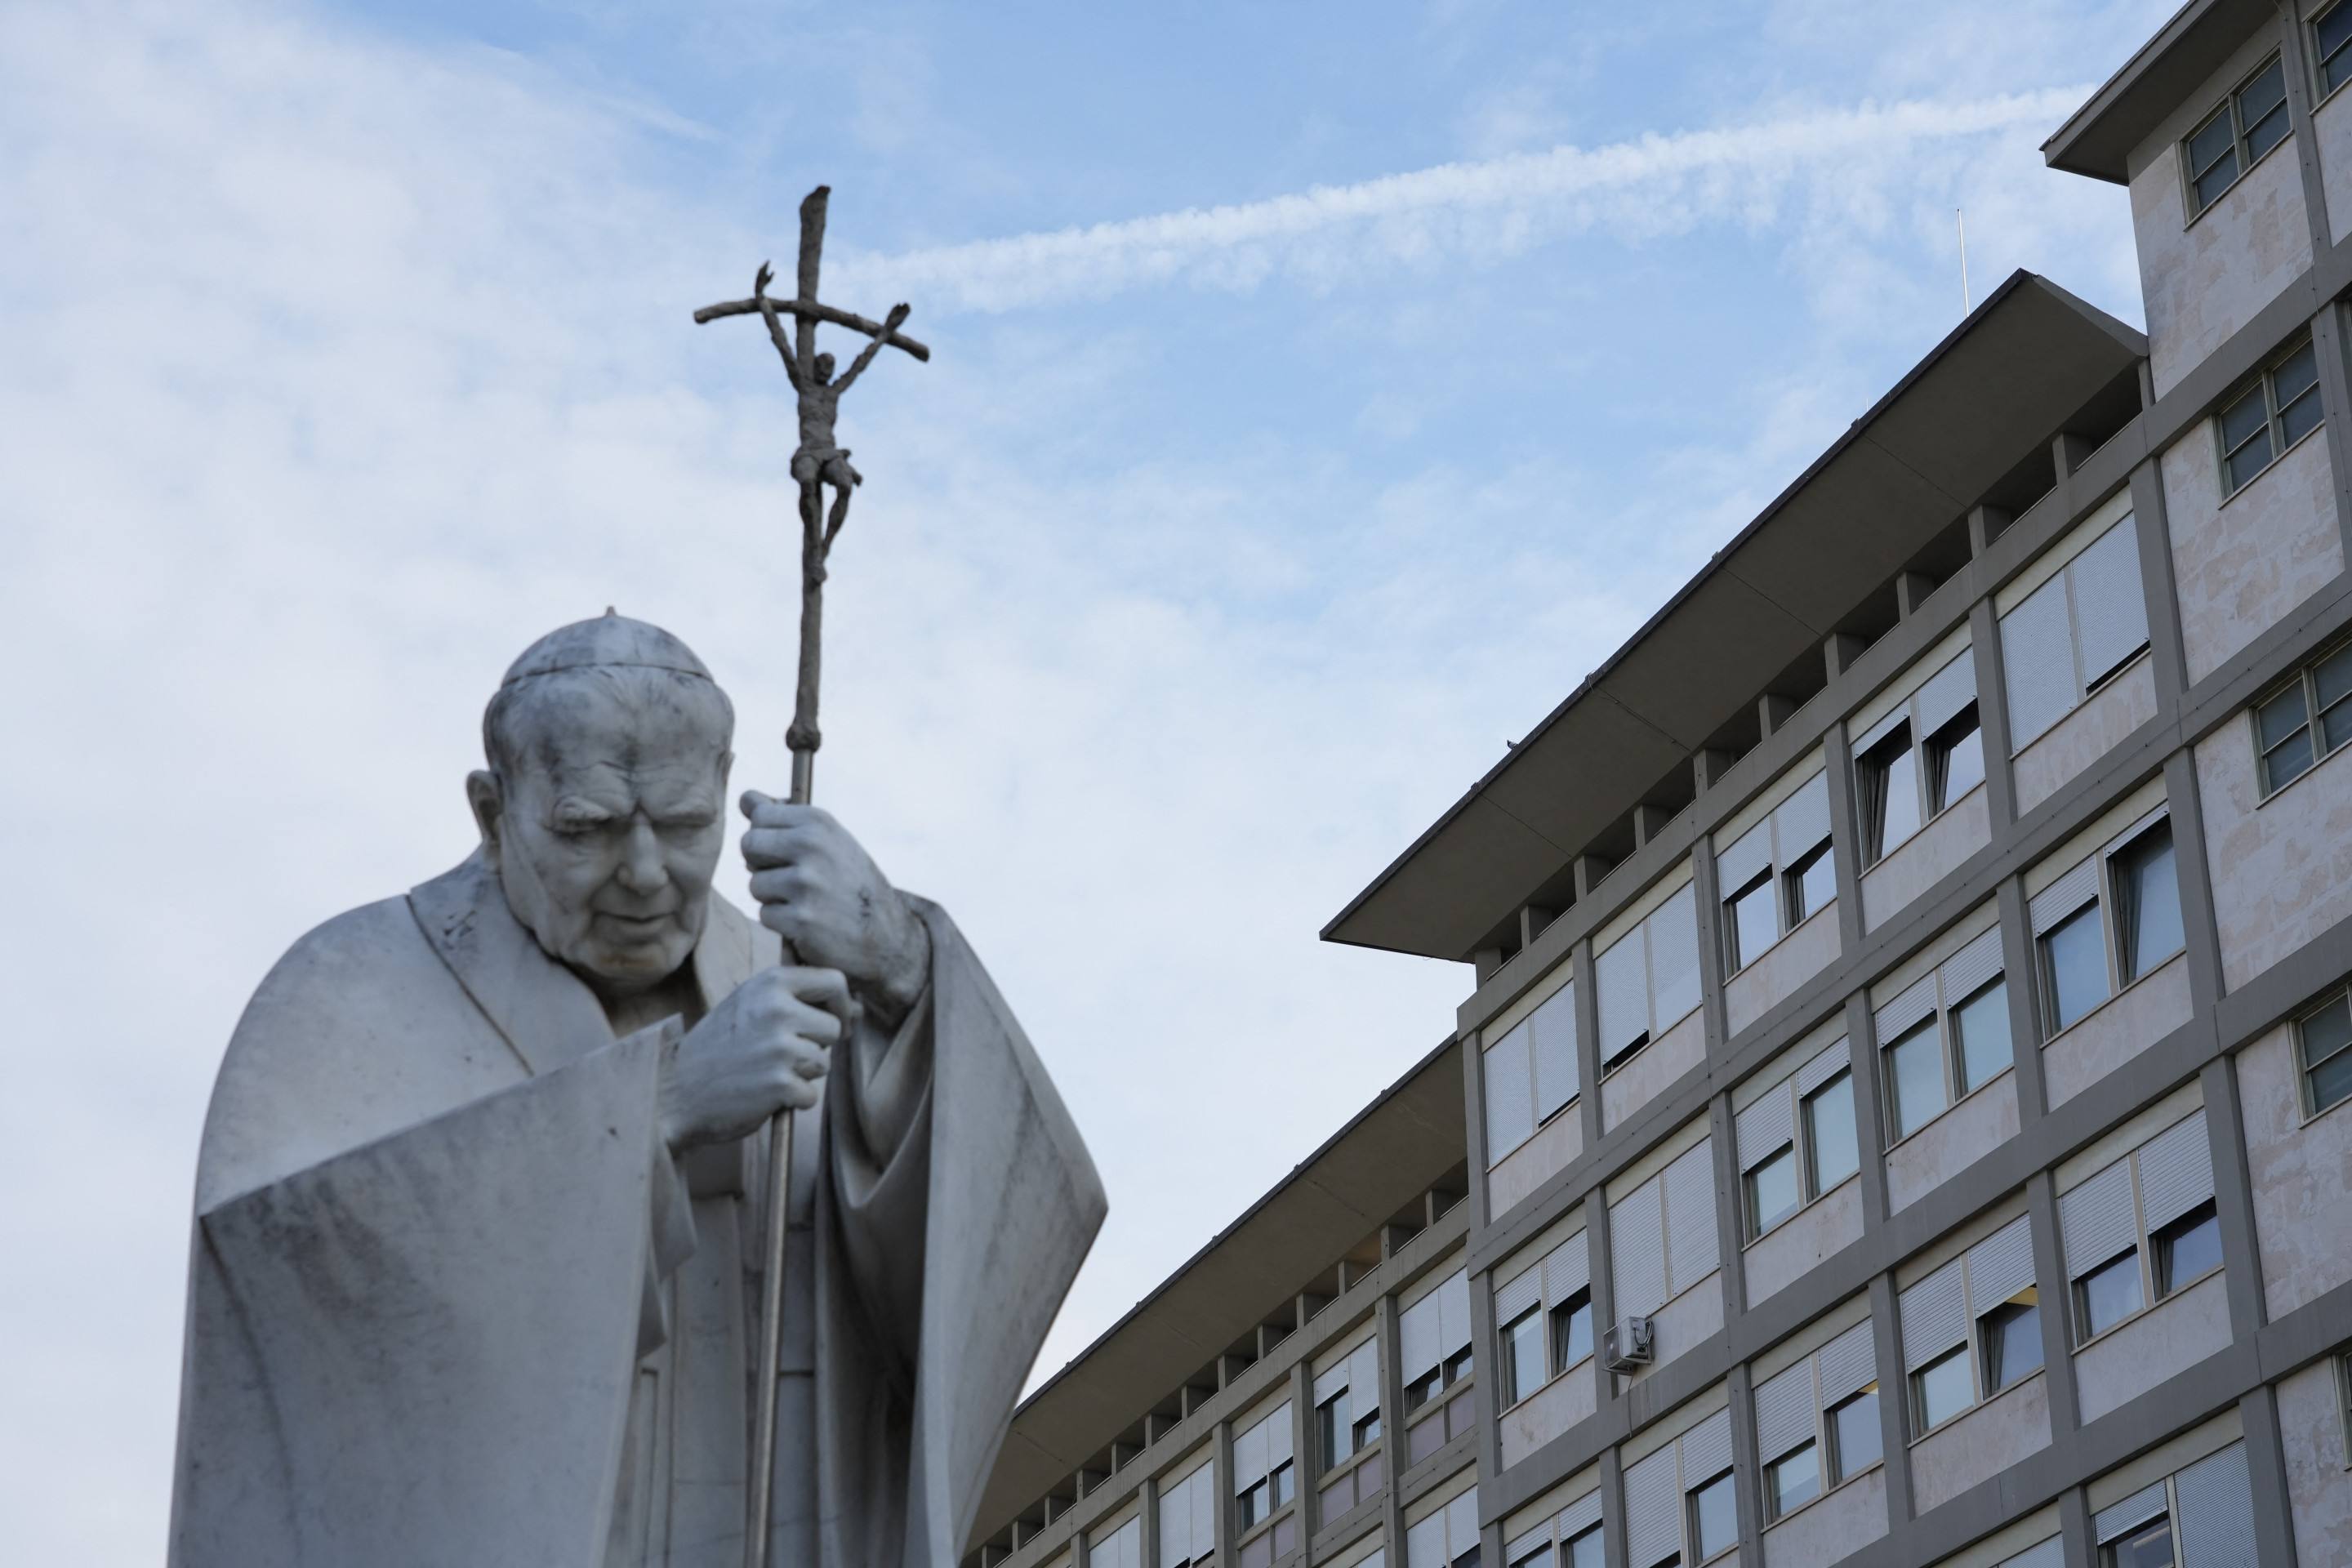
(452, 1301)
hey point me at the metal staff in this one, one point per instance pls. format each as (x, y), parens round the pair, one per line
(816, 463)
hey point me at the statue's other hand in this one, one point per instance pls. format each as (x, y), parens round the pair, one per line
(819, 890)
(760, 1051)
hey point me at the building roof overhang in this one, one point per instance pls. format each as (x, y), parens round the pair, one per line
(2002, 383)
(2099, 137)
(1386, 1156)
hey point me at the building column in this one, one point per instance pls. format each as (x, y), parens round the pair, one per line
(1391, 1430)
(2329, 347)
(1587, 1047)
(1305, 1462)
(2193, 865)
(1846, 834)
(1474, 1105)
(1486, 1394)
(1746, 1466)
(2266, 1478)
(1993, 720)
(1221, 1444)
(2057, 1336)
(2234, 1198)
(1869, 1110)
(1613, 1506)
(1894, 1398)
(1730, 1228)
(2159, 586)
(2021, 979)
(1603, 1286)
(2075, 1528)
(2295, 55)
(1708, 895)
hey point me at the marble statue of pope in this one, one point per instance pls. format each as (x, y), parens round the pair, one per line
(475, 1272)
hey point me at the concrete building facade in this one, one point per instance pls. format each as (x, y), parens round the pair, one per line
(1903, 1114)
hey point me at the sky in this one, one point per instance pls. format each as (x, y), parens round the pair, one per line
(1319, 391)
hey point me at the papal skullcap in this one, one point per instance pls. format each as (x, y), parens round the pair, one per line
(611, 641)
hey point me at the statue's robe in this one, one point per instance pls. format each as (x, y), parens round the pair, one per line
(451, 1300)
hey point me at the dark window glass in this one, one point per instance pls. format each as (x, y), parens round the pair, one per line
(1523, 1355)
(2149, 1546)
(1539, 1558)
(1812, 884)
(1941, 1390)
(2212, 158)
(1791, 1481)
(2106, 1295)
(2282, 733)
(1251, 1506)
(1771, 1191)
(1982, 1024)
(2012, 1342)
(2333, 33)
(2331, 680)
(1457, 1366)
(1955, 758)
(2262, 109)
(1890, 793)
(2245, 439)
(2074, 967)
(1753, 922)
(1468, 1559)
(1830, 1142)
(1368, 1430)
(2150, 894)
(1915, 1078)
(1571, 1330)
(2326, 1044)
(2188, 1250)
(1855, 1434)
(2295, 392)
(1584, 1552)
(1281, 1485)
(1715, 1517)
(1334, 1434)
(1421, 1391)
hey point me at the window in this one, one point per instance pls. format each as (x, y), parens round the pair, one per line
(1647, 980)
(1571, 1332)
(1714, 1518)
(1941, 1390)
(2073, 633)
(1792, 1481)
(1954, 759)
(1856, 1440)
(1771, 1191)
(1434, 1340)
(1264, 1481)
(1538, 1558)
(1584, 1552)
(1890, 793)
(1523, 1355)
(1777, 875)
(2188, 1250)
(1335, 1431)
(2147, 1545)
(1830, 1145)
(2106, 1295)
(2074, 968)
(1531, 1074)
(2012, 1335)
(2249, 124)
(2331, 34)
(1915, 1078)
(1751, 921)
(2147, 899)
(2324, 1038)
(2272, 414)
(2307, 717)
(1982, 1024)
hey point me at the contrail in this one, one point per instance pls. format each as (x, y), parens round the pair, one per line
(1653, 184)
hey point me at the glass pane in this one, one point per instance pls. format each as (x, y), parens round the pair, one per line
(2294, 375)
(2265, 94)
(2154, 899)
(1982, 1022)
(2243, 418)
(1584, 1552)
(2210, 143)
(2108, 1294)
(2214, 181)
(2281, 717)
(2187, 1249)
(2149, 1546)
(1793, 1481)
(2298, 418)
(2012, 1342)
(1771, 1191)
(2333, 677)
(1959, 760)
(1715, 1517)
(1334, 1434)
(1829, 1134)
(2326, 1032)
(2076, 964)
(2334, 31)
(1812, 885)
(1895, 794)
(2331, 1082)
(2247, 461)
(2336, 726)
(2267, 132)
(1755, 922)
(1539, 1558)
(1943, 1389)
(2289, 761)
(1523, 1355)
(1915, 1077)
(1853, 1425)
(1571, 1332)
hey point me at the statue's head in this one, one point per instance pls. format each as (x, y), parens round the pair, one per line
(603, 807)
(825, 367)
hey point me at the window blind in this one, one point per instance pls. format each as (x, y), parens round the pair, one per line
(1736, 866)
(1652, 1509)
(2037, 648)
(1510, 1093)
(1824, 1066)
(1623, 993)
(1802, 821)
(1848, 1363)
(1672, 931)
(2217, 1511)
(1580, 1516)
(1637, 1251)
(2134, 1510)
(1517, 1295)
(2110, 608)
(1552, 1033)
(1693, 1249)
(1967, 971)
(1914, 1001)
(1945, 692)
(2000, 1266)
(1122, 1548)
(1784, 1411)
(2175, 1171)
(1568, 1270)
(1706, 1450)
(2064, 896)
(1764, 1128)
(1935, 1317)
(2095, 1219)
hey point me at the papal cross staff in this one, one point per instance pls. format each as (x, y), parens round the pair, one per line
(816, 463)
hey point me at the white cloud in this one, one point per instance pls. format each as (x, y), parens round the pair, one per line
(1644, 188)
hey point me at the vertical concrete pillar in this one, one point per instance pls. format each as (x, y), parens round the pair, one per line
(1708, 893)
(2234, 1198)
(2193, 865)
(1869, 1112)
(1845, 836)
(1605, 1287)
(2266, 1478)
(2075, 1528)
(1473, 1104)
(1587, 1047)
(2022, 978)
(1391, 1430)
(1221, 1487)
(1747, 1467)
(1893, 1399)
(2295, 55)
(1613, 1506)
(1305, 1462)
(1487, 1394)
(1993, 721)
(1728, 1227)
(2054, 1294)
(2328, 341)
(2158, 584)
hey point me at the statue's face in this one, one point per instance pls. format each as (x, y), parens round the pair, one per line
(608, 833)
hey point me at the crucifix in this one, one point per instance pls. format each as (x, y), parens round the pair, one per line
(816, 463)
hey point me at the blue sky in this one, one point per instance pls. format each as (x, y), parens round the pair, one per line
(1321, 392)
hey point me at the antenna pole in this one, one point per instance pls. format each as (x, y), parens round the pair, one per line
(1960, 223)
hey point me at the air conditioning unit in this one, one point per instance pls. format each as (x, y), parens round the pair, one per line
(1628, 1343)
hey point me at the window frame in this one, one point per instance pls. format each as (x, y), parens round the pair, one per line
(1698, 1554)
(2264, 384)
(1809, 1176)
(1774, 1511)
(2078, 1297)
(1506, 1345)
(2305, 680)
(2340, 991)
(1875, 770)
(1578, 1301)
(1932, 1024)
(1837, 1465)
(1755, 1223)
(2126, 967)
(2007, 1312)
(2320, 91)
(2169, 1519)
(1783, 874)
(1917, 1386)
(2162, 1287)
(2229, 107)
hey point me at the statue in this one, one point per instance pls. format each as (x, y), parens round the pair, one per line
(476, 1260)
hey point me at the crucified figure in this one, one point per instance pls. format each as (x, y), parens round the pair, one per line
(818, 462)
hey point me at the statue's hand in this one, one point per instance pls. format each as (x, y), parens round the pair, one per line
(820, 892)
(760, 1051)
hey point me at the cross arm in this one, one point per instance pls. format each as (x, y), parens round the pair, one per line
(856, 323)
